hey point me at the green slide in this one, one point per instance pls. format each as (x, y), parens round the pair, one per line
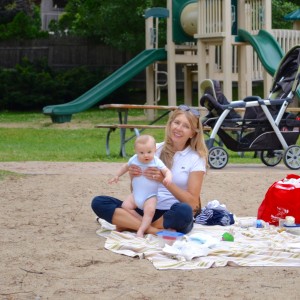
(266, 47)
(63, 112)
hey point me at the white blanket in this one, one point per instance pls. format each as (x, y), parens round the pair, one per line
(251, 247)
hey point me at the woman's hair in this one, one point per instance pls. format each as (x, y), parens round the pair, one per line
(197, 142)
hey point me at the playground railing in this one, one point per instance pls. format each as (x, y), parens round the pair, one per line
(286, 39)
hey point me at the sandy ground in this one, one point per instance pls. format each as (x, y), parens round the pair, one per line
(50, 250)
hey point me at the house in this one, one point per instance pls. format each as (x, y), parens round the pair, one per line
(295, 17)
(51, 10)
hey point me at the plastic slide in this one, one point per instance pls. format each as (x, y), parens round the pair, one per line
(266, 47)
(63, 112)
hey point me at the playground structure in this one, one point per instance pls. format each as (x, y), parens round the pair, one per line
(215, 39)
(209, 38)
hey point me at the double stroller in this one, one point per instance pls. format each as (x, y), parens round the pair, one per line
(265, 128)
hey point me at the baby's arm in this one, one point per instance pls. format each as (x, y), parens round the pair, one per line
(168, 176)
(121, 172)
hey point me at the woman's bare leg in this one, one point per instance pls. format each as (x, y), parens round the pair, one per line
(158, 223)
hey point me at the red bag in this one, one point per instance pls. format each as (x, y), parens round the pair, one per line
(282, 199)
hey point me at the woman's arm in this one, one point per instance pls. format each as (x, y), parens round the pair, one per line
(167, 176)
(191, 196)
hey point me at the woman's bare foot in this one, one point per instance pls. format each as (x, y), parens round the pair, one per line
(120, 229)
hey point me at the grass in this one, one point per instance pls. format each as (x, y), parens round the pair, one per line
(33, 137)
(4, 174)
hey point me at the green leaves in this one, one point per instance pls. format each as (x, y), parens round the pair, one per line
(31, 86)
(119, 23)
(280, 8)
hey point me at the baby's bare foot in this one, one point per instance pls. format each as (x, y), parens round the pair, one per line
(140, 234)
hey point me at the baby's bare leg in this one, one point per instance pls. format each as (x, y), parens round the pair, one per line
(130, 206)
(149, 210)
(129, 203)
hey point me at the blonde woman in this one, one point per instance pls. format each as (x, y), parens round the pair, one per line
(184, 152)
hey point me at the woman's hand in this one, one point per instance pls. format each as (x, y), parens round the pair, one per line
(153, 173)
(134, 171)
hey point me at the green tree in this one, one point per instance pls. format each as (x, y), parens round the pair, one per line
(118, 23)
(10, 8)
(280, 8)
(21, 20)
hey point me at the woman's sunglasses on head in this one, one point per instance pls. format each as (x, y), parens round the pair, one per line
(194, 111)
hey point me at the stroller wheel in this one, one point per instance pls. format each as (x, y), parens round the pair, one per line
(291, 157)
(271, 158)
(217, 158)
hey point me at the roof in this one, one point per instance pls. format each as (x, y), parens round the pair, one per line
(293, 16)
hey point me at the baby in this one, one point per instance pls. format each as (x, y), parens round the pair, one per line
(144, 191)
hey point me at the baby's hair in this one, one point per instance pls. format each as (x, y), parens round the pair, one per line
(144, 138)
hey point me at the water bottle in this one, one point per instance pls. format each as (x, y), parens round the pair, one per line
(256, 223)
(260, 224)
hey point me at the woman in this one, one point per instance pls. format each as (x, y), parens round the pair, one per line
(185, 153)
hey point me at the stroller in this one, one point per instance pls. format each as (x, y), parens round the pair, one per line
(266, 128)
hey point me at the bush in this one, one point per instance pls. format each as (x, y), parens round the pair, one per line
(31, 86)
(22, 27)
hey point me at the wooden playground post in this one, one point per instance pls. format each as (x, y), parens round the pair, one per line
(214, 29)
(172, 95)
(253, 16)
(213, 36)
(152, 17)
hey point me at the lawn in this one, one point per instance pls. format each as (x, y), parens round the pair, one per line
(33, 137)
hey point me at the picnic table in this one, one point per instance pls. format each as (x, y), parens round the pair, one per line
(123, 116)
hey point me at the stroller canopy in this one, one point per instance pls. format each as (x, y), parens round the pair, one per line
(287, 75)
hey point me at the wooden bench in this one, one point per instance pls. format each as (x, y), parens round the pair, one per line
(122, 110)
(136, 128)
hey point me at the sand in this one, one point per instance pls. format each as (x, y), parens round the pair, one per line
(50, 250)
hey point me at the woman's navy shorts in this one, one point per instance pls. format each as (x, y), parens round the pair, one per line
(179, 217)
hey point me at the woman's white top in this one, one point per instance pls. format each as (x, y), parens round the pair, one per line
(184, 162)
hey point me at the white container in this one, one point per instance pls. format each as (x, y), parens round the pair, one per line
(294, 229)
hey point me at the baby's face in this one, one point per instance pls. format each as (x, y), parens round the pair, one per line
(145, 152)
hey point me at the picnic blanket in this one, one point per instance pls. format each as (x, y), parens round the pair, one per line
(252, 247)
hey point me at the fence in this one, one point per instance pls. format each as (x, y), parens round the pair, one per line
(67, 52)
(63, 53)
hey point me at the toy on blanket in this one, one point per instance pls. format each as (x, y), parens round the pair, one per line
(215, 213)
(228, 237)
